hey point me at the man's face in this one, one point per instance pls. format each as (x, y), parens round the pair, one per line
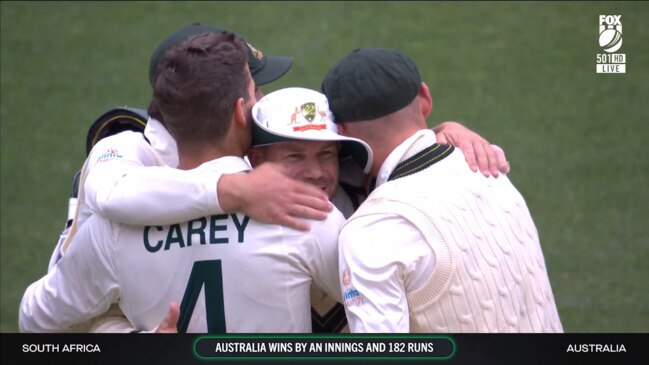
(313, 162)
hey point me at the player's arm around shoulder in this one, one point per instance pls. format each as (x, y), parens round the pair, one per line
(131, 184)
(108, 163)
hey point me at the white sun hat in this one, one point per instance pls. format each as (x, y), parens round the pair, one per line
(299, 114)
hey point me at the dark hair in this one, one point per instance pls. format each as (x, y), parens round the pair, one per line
(198, 83)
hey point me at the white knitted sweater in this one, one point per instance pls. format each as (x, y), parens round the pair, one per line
(490, 273)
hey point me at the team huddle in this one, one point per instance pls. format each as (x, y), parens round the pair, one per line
(298, 211)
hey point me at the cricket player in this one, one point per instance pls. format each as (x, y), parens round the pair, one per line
(230, 273)
(434, 247)
(130, 177)
(295, 129)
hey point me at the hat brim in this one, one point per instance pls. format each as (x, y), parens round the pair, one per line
(274, 68)
(349, 147)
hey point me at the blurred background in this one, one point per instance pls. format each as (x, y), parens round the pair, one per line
(522, 74)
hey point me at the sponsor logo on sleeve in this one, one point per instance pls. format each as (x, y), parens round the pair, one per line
(351, 296)
(109, 154)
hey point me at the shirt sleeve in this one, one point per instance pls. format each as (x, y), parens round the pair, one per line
(82, 285)
(126, 184)
(113, 321)
(381, 256)
(323, 259)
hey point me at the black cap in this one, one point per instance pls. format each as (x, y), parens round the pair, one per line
(264, 69)
(370, 83)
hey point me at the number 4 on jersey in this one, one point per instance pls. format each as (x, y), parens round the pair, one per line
(209, 274)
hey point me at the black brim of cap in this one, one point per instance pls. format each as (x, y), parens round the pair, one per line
(357, 152)
(274, 68)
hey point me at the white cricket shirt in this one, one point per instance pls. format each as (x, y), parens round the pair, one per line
(255, 277)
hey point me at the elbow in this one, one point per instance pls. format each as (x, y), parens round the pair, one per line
(117, 210)
(112, 212)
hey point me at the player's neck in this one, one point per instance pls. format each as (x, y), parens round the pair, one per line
(196, 154)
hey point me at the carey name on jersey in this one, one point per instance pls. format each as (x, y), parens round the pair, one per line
(213, 230)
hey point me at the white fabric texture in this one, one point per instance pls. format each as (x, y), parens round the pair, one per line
(463, 253)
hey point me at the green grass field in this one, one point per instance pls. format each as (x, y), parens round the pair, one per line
(521, 74)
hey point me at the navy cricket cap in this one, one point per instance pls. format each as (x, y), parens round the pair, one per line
(264, 69)
(370, 83)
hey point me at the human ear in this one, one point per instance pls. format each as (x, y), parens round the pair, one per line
(425, 100)
(239, 112)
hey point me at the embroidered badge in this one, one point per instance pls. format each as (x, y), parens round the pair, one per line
(255, 52)
(308, 113)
